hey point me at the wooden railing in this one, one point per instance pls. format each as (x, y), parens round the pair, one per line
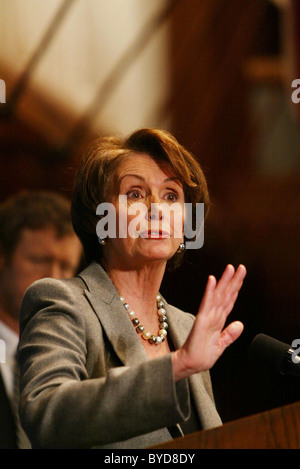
(275, 429)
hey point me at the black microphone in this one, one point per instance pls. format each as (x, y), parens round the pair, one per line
(277, 356)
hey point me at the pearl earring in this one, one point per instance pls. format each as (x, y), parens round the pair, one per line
(102, 241)
(181, 247)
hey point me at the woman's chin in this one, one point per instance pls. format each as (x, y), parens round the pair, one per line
(158, 251)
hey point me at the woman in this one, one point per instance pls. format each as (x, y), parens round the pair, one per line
(105, 361)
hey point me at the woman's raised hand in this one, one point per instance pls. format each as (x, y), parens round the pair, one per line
(207, 339)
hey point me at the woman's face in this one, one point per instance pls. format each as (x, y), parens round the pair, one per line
(149, 233)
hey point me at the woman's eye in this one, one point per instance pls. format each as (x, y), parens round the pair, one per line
(171, 197)
(134, 195)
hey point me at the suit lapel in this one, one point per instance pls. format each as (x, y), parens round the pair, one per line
(104, 299)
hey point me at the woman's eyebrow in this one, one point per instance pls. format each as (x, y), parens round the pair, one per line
(169, 179)
(174, 179)
(132, 175)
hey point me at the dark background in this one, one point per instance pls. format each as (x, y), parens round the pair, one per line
(230, 105)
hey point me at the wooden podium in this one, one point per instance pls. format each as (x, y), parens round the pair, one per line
(275, 429)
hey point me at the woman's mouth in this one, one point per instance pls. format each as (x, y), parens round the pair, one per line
(155, 234)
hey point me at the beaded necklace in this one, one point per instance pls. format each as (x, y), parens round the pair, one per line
(162, 316)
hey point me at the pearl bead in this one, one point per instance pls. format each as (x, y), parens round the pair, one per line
(163, 324)
(146, 335)
(162, 318)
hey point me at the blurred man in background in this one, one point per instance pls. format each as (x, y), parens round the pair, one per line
(36, 241)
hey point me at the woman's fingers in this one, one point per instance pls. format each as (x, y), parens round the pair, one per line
(237, 280)
(231, 279)
(231, 333)
(233, 287)
(223, 293)
(208, 338)
(224, 281)
(208, 297)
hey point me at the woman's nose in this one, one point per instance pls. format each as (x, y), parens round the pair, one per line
(154, 211)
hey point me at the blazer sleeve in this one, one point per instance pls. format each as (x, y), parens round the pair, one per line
(61, 406)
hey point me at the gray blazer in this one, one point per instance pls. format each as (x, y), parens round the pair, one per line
(86, 380)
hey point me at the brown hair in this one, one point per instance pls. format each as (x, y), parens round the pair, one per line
(95, 179)
(32, 210)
